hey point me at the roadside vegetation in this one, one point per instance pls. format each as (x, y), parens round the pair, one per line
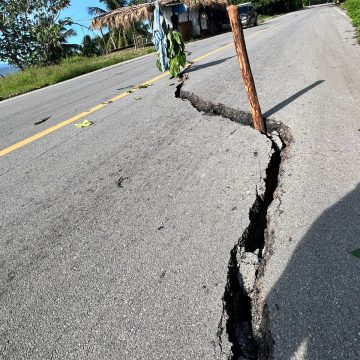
(268, 8)
(35, 39)
(38, 77)
(263, 18)
(353, 9)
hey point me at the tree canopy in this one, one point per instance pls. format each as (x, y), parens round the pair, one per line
(31, 32)
(271, 7)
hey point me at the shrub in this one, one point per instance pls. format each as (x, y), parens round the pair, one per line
(353, 10)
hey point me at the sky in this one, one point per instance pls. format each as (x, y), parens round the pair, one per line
(78, 12)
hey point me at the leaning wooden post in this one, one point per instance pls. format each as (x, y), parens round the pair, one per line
(240, 46)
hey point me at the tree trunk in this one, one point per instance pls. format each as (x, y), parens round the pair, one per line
(112, 39)
(102, 37)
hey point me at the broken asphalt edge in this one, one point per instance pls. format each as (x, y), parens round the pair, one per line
(245, 317)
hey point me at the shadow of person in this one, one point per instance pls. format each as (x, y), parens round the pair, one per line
(315, 305)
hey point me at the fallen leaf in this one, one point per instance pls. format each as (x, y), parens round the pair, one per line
(85, 123)
(144, 86)
(121, 180)
(42, 120)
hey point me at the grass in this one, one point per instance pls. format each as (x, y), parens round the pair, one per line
(353, 9)
(263, 18)
(35, 78)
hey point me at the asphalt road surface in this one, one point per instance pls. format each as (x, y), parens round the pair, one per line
(116, 238)
(306, 68)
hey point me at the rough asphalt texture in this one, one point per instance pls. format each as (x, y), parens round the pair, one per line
(115, 239)
(96, 268)
(306, 68)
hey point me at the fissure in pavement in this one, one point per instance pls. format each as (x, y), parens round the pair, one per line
(244, 320)
(246, 266)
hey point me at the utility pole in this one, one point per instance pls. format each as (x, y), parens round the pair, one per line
(240, 46)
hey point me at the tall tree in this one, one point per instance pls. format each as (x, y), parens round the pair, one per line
(91, 46)
(109, 5)
(113, 35)
(117, 38)
(67, 49)
(31, 32)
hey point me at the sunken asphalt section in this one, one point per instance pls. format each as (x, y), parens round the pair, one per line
(146, 235)
(308, 79)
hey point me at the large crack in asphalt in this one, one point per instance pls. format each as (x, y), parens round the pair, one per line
(245, 319)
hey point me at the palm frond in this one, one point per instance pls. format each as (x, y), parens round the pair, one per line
(113, 4)
(68, 33)
(94, 10)
(123, 17)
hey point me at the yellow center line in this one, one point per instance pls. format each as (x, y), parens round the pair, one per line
(211, 53)
(60, 125)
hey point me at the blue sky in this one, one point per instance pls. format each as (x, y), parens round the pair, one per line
(78, 12)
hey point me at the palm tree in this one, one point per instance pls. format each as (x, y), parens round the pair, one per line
(53, 41)
(109, 6)
(115, 38)
(65, 33)
(91, 46)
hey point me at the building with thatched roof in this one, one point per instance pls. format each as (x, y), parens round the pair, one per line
(190, 17)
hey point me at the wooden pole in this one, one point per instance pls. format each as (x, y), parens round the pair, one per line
(240, 46)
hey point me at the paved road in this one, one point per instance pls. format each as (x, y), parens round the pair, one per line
(307, 75)
(96, 268)
(115, 239)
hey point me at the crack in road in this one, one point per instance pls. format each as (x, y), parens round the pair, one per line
(244, 315)
(246, 265)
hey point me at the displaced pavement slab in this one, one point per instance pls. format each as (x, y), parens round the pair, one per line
(306, 71)
(116, 238)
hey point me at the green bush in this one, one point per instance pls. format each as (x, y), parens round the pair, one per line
(38, 77)
(353, 10)
(72, 60)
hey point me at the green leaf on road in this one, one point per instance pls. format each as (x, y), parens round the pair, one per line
(144, 86)
(356, 253)
(85, 123)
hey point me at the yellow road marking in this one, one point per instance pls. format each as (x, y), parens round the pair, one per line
(48, 131)
(41, 134)
(211, 53)
(118, 97)
(157, 78)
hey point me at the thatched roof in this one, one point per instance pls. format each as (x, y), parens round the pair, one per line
(126, 16)
(194, 4)
(123, 17)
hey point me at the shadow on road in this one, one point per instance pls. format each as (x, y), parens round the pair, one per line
(290, 99)
(206, 65)
(316, 302)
